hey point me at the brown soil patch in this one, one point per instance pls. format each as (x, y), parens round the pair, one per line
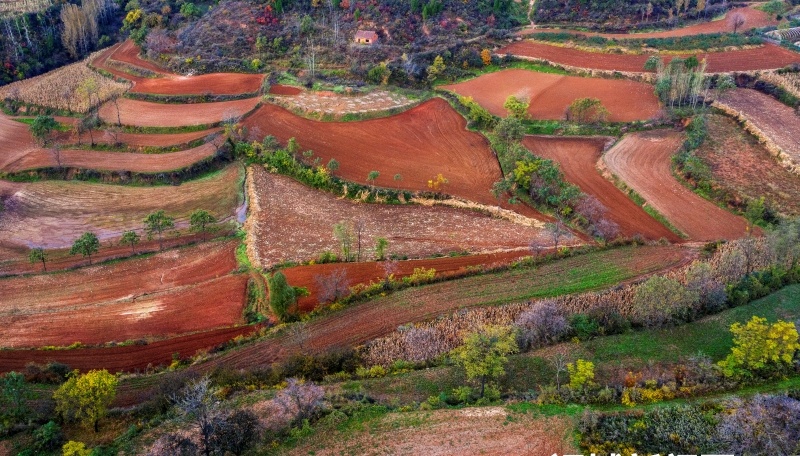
(778, 121)
(295, 223)
(486, 431)
(137, 140)
(745, 168)
(147, 114)
(578, 160)
(643, 162)
(754, 18)
(15, 140)
(767, 57)
(53, 214)
(156, 296)
(551, 94)
(364, 273)
(128, 52)
(280, 89)
(417, 144)
(112, 161)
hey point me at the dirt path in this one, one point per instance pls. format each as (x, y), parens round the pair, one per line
(578, 160)
(551, 94)
(643, 162)
(147, 114)
(767, 57)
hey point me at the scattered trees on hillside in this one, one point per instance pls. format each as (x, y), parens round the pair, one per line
(130, 238)
(156, 223)
(681, 82)
(201, 220)
(86, 245)
(345, 235)
(36, 255)
(42, 127)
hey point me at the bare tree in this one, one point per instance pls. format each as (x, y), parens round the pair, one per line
(559, 361)
(359, 225)
(390, 268)
(298, 333)
(541, 324)
(736, 21)
(311, 59)
(200, 404)
(333, 286)
(301, 400)
(557, 231)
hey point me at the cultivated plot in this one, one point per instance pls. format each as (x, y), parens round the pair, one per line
(138, 113)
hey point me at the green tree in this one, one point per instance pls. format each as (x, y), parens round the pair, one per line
(85, 398)
(581, 374)
(190, 10)
(587, 110)
(14, 396)
(156, 223)
(36, 255)
(343, 232)
(282, 296)
(130, 238)
(380, 248)
(200, 221)
(333, 165)
(372, 176)
(755, 211)
(86, 245)
(517, 107)
(760, 347)
(436, 69)
(660, 301)
(484, 354)
(42, 127)
(509, 130)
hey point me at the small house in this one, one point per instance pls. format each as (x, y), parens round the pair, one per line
(366, 37)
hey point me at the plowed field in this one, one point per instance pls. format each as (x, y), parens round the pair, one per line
(578, 160)
(643, 162)
(417, 144)
(147, 114)
(292, 222)
(53, 214)
(15, 140)
(551, 94)
(766, 57)
(369, 320)
(138, 140)
(174, 292)
(112, 161)
(778, 121)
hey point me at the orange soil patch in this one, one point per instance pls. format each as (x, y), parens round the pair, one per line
(778, 121)
(643, 162)
(52, 214)
(578, 160)
(417, 144)
(280, 89)
(364, 273)
(128, 52)
(765, 57)
(157, 296)
(369, 320)
(15, 140)
(292, 222)
(551, 94)
(147, 114)
(112, 161)
(746, 168)
(754, 18)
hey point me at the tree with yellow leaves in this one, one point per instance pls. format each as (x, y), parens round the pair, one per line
(437, 182)
(759, 347)
(486, 56)
(85, 398)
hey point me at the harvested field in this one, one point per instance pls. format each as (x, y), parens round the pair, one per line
(779, 122)
(372, 319)
(364, 273)
(643, 162)
(111, 161)
(154, 296)
(767, 57)
(746, 168)
(754, 18)
(15, 140)
(137, 140)
(578, 159)
(551, 94)
(53, 214)
(417, 144)
(486, 431)
(333, 104)
(292, 222)
(147, 114)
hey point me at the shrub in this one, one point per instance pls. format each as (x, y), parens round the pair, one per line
(541, 324)
(581, 374)
(48, 437)
(587, 110)
(235, 434)
(584, 326)
(173, 444)
(662, 301)
(762, 425)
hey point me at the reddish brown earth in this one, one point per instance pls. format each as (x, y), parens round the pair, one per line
(137, 140)
(551, 94)
(147, 114)
(175, 292)
(15, 140)
(417, 144)
(364, 273)
(754, 18)
(578, 160)
(280, 89)
(172, 84)
(111, 161)
(765, 57)
(643, 162)
(292, 222)
(778, 121)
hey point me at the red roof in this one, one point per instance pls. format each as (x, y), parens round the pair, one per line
(366, 35)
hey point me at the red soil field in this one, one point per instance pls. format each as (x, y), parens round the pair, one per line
(643, 162)
(767, 57)
(551, 94)
(358, 273)
(280, 89)
(52, 214)
(147, 114)
(155, 296)
(123, 359)
(112, 161)
(417, 144)
(778, 121)
(137, 140)
(753, 19)
(291, 222)
(15, 140)
(578, 160)
(128, 52)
